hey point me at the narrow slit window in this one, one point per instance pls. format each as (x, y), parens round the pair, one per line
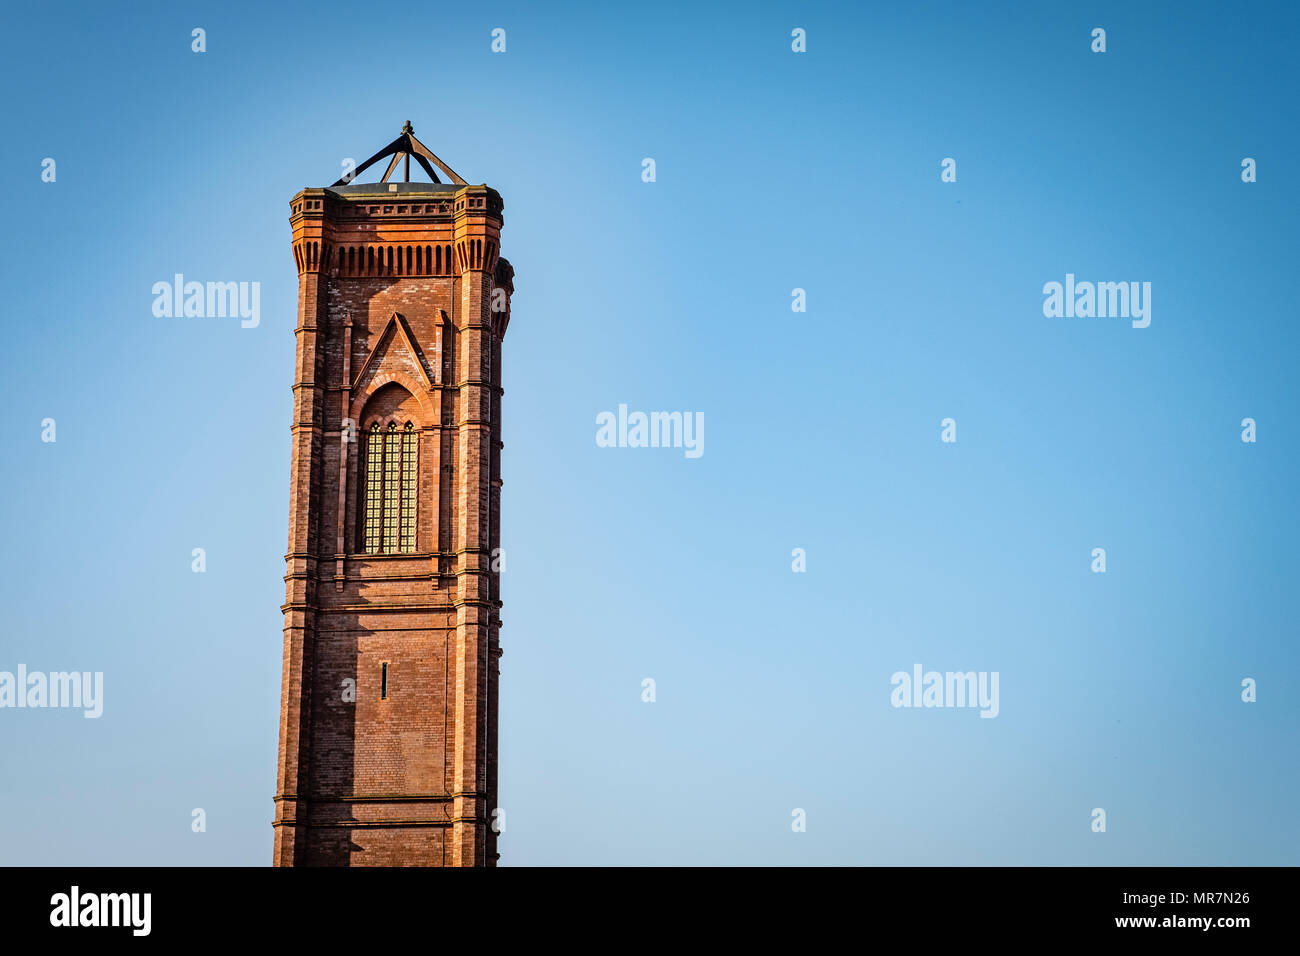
(383, 681)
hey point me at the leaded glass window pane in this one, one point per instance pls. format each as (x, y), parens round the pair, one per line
(392, 487)
(409, 488)
(374, 489)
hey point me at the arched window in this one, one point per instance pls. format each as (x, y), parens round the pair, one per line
(390, 489)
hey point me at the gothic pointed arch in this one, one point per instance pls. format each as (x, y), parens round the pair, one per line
(395, 347)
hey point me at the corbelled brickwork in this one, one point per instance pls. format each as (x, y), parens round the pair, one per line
(402, 307)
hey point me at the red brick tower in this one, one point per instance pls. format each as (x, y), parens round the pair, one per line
(388, 714)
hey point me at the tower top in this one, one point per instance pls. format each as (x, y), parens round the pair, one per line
(403, 148)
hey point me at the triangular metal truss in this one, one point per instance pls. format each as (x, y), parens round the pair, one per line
(403, 148)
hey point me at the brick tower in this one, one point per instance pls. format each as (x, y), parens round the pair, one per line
(388, 713)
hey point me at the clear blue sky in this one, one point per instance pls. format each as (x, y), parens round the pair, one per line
(775, 170)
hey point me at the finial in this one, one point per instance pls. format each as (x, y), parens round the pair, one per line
(407, 127)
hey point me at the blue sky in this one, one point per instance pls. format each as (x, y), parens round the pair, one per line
(775, 171)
